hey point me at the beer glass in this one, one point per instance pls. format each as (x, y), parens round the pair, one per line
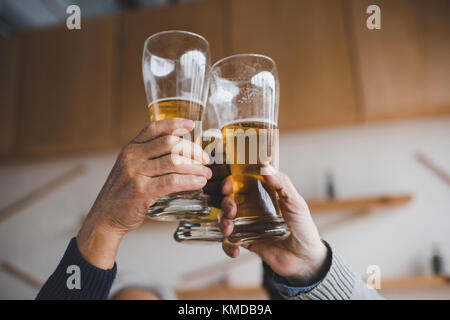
(245, 95)
(176, 70)
(207, 229)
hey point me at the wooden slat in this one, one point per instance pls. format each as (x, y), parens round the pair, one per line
(40, 192)
(307, 40)
(206, 18)
(10, 53)
(67, 92)
(360, 204)
(437, 170)
(404, 67)
(418, 282)
(21, 274)
(218, 292)
(354, 216)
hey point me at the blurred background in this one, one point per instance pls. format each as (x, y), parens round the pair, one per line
(364, 119)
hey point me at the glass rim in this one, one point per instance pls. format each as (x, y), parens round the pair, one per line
(195, 35)
(235, 56)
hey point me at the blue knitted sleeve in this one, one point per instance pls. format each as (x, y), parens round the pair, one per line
(76, 279)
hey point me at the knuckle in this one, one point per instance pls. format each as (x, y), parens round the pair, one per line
(139, 184)
(129, 172)
(171, 160)
(127, 155)
(170, 143)
(173, 180)
(178, 121)
(148, 130)
(172, 124)
(170, 140)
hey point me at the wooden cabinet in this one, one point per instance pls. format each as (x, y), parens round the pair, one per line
(403, 68)
(9, 90)
(66, 100)
(307, 40)
(206, 18)
(70, 91)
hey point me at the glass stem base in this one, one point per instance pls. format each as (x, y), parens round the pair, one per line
(190, 205)
(198, 232)
(247, 231)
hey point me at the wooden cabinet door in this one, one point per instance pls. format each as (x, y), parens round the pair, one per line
(206, 18)
(9, 90)
(66, 95)
(307, 40)
(404, 68)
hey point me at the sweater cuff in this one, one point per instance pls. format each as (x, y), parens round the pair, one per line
(338, 283)
(94, 283)
(283, 285)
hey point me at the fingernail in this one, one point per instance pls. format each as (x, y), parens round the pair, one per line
(190, 123)
(202, 180)
(210, 173)
(268, 169)
(180, 131)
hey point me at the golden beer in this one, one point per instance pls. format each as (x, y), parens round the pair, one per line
(177, 108)
(248, 144)
(196, 207)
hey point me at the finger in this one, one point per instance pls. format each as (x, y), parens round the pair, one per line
(231, 250)
(227, 186)
(229, 208)
(279, 181)
(269, 254)
(173, 163)
(172, 144)
(226, 227)
(291, 202)
(171, 183)
(175, 126)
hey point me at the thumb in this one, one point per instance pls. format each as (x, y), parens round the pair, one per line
(289, 199)
(255, 247)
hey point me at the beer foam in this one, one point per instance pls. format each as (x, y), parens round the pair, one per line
(175, 98)
(250, 120)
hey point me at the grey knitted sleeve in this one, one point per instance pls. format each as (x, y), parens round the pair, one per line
(340, 283)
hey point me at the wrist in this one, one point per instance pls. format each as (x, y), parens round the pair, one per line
(312, 266)
(319, 261)
(98, 244)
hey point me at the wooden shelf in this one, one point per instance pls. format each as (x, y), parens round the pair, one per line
(357, 203)
(219, 292)
(222, 292)
(417, 282)
(350, 204)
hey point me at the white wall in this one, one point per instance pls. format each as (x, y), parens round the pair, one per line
(373, 159)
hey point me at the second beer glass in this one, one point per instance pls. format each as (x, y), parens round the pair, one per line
(245, 94)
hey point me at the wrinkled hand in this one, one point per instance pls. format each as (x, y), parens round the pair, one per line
(302, 256)
(152, 165)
